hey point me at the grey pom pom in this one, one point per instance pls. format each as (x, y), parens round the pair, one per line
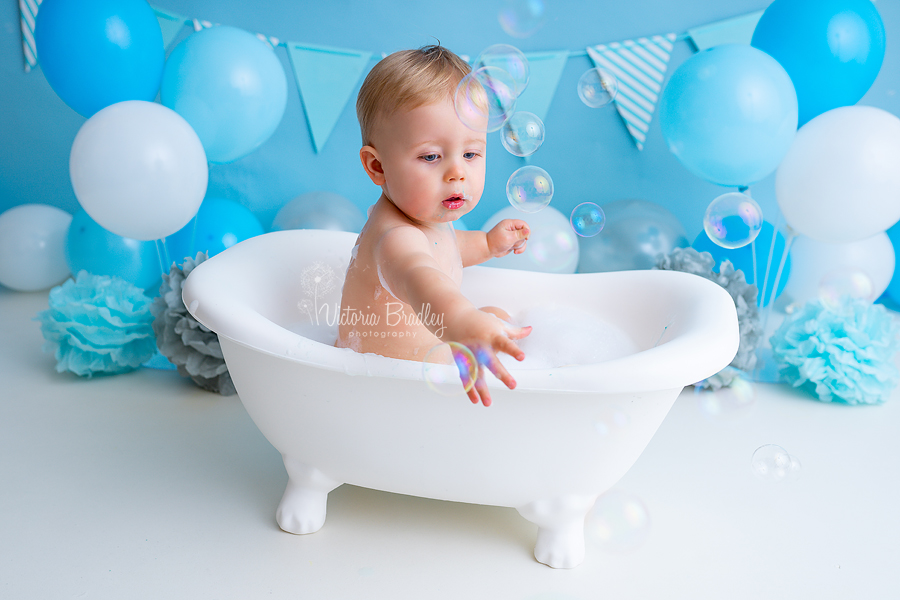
(186, 342)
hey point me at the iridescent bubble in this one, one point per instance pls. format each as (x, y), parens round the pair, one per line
(587, 219)
(450, 369)
(848, 282)
(730, 402)
(597, 87)
(773, 463)
(733, 220)
(485, 98)
(619, 522)
(522, 134)
(521, 18)
(529, 189)
(506, 57)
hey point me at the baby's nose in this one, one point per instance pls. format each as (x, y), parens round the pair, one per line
(456, 172)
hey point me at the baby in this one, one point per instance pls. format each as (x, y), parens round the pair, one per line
(401, 296)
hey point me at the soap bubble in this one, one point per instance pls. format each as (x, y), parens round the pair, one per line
(597, 87)
(450, 369)
(619, 522)
(844, 283)
(485, 98)
(733, 401)
(521, 18)
(611, 420)
(773, 463)
(522, 134)
(733, 220)
(506, 57)
(529, 189)
(587, 219)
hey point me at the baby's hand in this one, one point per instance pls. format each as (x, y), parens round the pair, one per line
(509, 235)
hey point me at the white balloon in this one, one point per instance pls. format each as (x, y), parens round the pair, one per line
(840, 180)
(33, 247)
(812, 261)
(139, 170)
(552, 246)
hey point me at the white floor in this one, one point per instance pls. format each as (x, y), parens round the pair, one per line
(143, 486)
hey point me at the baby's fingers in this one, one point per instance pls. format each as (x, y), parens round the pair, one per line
(490, 360)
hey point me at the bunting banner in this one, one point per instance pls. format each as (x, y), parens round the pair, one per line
(170, 24)
(738, 30)
(545, 70)
(640, 68)
(27, 13)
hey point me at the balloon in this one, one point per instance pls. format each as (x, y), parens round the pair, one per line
(552, 246)
(319, 210)
(742, 259)
(893, 288)
(636, 234)
(101, 52)
(138, 169)
(729, 114)
(230, 87)
(91, 248)
(832, 49)
(840, 180)
(816, 262)
(220, 224)
(32, 247)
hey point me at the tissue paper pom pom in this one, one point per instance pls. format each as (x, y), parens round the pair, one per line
(840, 353)
(98, 324)
(689, 260)
(186, 342)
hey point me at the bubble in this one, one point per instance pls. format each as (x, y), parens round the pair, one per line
(521, 18)
(529, 189)
(506, 57)
(773, 463)
(440, 374)
(618, 523)
(840, 284)
(587, 219)
(522, 134)
(485, 98)
(733, 220)
(730, 402)
(611, 420)
(597, 87)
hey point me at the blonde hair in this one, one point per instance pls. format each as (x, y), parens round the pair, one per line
(406, 80)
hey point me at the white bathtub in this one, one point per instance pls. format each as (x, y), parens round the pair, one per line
(341, 417)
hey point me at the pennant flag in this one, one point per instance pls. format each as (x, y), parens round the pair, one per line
(545, 69)
(326, 77)
(639, 67)
(738, 30)
(169, 23)
(27, 13)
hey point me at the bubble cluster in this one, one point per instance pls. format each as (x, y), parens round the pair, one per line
(522, 134)
(597, 87)
(733, 220)
(485, 99)
(529, 189)
(773, 463)
(618, 523)
(521, 18)
(843, 283)
(506, 57)
(587, 219)
(450, 369)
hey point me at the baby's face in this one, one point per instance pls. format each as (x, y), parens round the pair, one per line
(433, 164)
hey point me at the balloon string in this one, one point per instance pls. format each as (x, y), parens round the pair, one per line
(787, 248)
(163, 252)
(193, 238)
(753, 255)
(761, 298)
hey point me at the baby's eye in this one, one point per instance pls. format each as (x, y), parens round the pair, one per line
(429, 157)
(470, 155)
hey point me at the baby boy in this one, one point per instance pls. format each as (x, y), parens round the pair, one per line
(401, 296)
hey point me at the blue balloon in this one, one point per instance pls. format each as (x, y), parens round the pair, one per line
(99, 52)
(893, 288)
(729, 114)
(742, 259)
(219, 224)
(229, 86)
(832, 49)
(96, 250)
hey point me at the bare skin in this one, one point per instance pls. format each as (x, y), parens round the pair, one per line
(402, 293)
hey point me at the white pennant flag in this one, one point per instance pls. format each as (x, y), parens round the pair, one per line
(27, 13)
(640, 68)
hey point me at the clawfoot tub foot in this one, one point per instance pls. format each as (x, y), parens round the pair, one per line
(560, 521)
(302, 508)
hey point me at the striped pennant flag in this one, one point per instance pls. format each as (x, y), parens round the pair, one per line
(640, 67)
(28, 12)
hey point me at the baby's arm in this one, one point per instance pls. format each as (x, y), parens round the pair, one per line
(509, 235)
(412, 274)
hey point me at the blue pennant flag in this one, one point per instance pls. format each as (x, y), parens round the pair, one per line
(738, 30)
(545, 69)
(27, 13)
(169, 23)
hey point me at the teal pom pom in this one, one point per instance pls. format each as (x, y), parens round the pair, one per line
(839, 353)
(98, 325)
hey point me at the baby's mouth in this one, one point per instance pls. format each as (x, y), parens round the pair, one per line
(455, 201)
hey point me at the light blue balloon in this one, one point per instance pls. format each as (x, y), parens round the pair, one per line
(893, 288)
(100, 252)
(319, 210)
(230, 87)
(219, 224)
(832, 49)
(742, 259)
(101, 52)
(729, 114)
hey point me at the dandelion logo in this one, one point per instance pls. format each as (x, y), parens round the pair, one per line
(316, 281)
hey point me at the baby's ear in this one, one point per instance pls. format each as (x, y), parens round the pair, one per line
(371, 163)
